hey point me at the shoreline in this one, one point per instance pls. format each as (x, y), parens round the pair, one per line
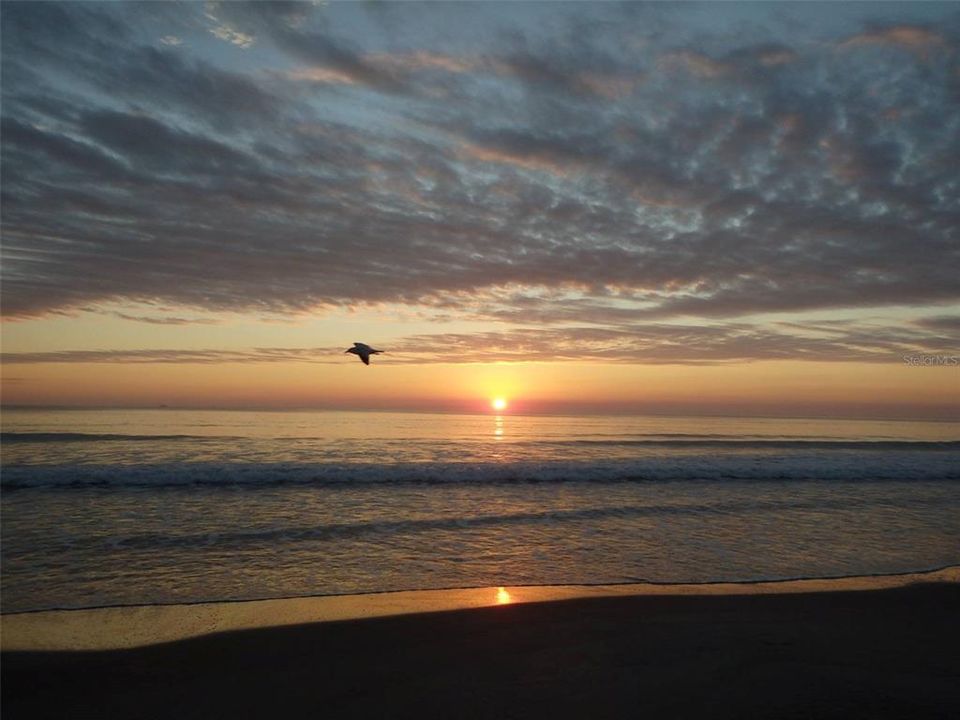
(133, 626)
(883, 648)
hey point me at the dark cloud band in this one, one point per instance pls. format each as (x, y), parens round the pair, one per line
(652, 175)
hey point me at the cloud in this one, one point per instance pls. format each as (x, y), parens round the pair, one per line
(608, 165)
(421, 60)
(144, 141)
(946, 323)
(745, 64)
(695, 63)
(321, 75)
(232, 36)
(529, 160)
(166, 320)
(94, 48)
(624, 342)
(611, 87)
(240, 24)
(193, 357)
(916, 39)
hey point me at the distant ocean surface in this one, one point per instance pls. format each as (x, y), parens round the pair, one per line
(160, 506)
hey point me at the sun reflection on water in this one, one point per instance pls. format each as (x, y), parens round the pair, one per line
(498, 426)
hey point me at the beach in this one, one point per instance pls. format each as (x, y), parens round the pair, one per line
(209, 564)
(885, 647)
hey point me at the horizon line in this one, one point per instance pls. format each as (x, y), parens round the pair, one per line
(569, 412)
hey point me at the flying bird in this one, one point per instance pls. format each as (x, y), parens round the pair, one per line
(363, 351)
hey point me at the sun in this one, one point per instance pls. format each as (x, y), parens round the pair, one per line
(498, 404)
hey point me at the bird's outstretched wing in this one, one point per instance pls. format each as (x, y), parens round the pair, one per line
(363, 351)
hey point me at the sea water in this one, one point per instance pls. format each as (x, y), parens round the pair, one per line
(112, 507)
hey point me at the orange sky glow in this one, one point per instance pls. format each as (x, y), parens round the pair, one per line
(763, 388)
(577, 207)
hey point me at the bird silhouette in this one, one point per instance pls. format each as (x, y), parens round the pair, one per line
(363, 351)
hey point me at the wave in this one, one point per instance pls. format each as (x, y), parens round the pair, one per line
(851, 466)
(236, 539)
(48, 437)
(779, 444)
(670, 440)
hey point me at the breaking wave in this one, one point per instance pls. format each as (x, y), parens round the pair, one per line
(819, 466)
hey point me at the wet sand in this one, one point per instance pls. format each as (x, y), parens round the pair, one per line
(831, 650)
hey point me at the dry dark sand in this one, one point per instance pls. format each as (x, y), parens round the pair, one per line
(891, 653)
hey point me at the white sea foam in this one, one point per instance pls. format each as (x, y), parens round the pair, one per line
(794, 465)
(126, 508)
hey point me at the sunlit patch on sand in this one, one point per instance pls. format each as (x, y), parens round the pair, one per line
(503, 597)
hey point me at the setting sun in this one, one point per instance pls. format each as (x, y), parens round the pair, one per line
(498, 404)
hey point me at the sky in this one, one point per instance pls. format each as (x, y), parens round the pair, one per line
(716, 208)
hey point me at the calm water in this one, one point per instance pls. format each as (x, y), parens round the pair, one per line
(127, 507)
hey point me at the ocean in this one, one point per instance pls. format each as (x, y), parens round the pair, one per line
(129, 507)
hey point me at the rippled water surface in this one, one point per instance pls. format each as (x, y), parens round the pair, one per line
(111, 507)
